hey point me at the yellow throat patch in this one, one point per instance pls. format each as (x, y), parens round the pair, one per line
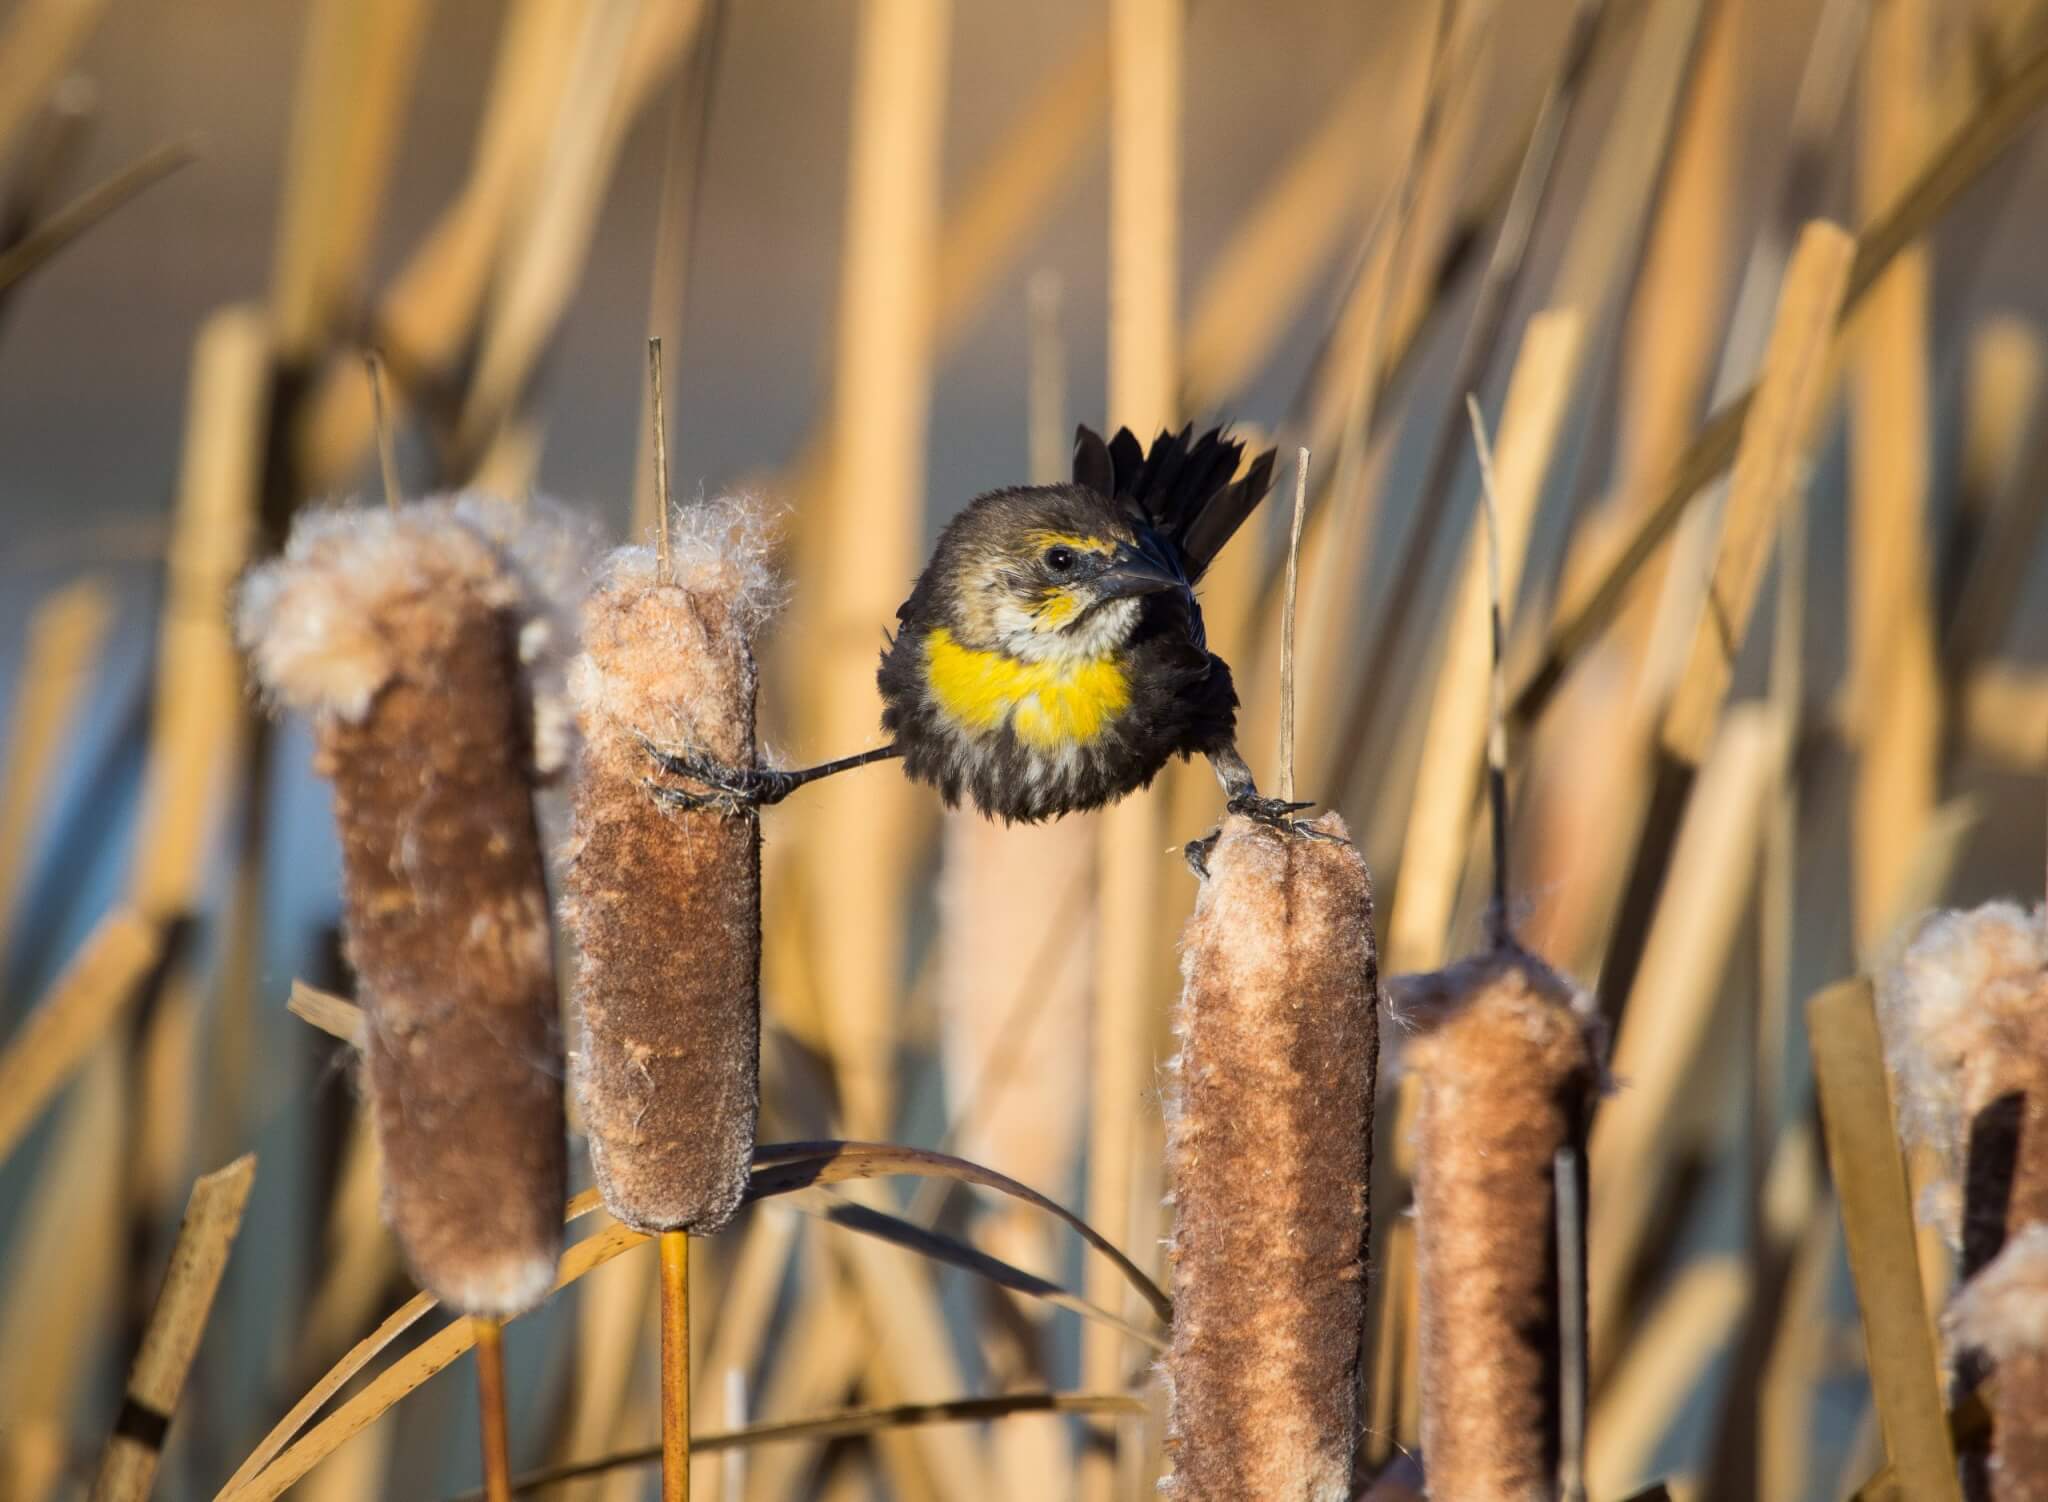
(1047, 704)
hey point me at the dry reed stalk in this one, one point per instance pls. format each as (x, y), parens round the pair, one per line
(1769, 477)
(621, 49)
(403, 634)
(1961, 159)
(685, 156)
(1454, 748)
(41, 40)
(2001, 397)
(171, 1339)
(65, 1269)
(868, 533)
(1675, 1345)
(1270, 1151)
(431, 306)
(1894, 690)
(612, 1312)
(78, 1011)
(1336, 538)
(2005, 717)
(1146, 40)
(1506, 1062)
(664, 906)
(354, 75)
(197, 721)
(2002, 500)
(1793, 1371)
(1676, 315)
(1668, 1020)
(39, 245)
(996, 215)
(1278, 250)
(1870, 1183)
(66, 635)
(405, 1375)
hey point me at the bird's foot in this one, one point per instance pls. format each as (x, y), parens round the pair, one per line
(1274, 813)
(728, 789)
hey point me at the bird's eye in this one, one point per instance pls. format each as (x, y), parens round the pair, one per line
(1059, 560)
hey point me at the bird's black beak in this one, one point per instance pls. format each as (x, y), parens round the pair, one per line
(1132, 573)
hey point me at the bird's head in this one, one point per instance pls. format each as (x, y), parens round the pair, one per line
(1051, 573)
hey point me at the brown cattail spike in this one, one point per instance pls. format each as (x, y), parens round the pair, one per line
(404, 633)
(1269, 1144)
(1964, 1013)
(1506, 1065)
(665, 906)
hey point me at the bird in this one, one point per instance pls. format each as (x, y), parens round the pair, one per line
(1051, 657)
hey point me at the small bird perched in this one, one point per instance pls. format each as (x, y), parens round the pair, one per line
(1051, 657)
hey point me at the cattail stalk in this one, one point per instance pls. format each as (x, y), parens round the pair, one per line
(1269, 1154)
(404, 633)
(1506, 1066)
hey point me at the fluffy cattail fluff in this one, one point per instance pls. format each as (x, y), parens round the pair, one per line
(404, 634)
(1506, 1060)
(665, 906)
(1269, 1151)
(1964, 1012)
(2002, 1314)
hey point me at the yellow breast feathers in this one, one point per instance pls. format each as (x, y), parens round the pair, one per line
(1047, 704)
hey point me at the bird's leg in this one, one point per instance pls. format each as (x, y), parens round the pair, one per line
(735, 788)
(1241, 793)
(1242, 796)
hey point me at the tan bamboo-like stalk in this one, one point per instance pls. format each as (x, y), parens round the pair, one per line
(65, 638)
(354, 76)
(431, 305)
(1894, 693)
(195, 734)
(1678, 1338)
(1877, 1221)
(1146, 39)
(1270, 1148)
(1274, 253)
(1433, 854)
(860, 547)
(156, 1380)
(41, 39)
(547, 245)
(1671, 1009)
(64, 1269)
(1024, 892)
(1506, 1061)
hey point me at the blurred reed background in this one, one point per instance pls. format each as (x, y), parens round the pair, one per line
(1768, 498)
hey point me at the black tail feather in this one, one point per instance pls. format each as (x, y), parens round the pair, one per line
(1182, 489)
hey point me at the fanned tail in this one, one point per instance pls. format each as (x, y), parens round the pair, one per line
(1183, 489)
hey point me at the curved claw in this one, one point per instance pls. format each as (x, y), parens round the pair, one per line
(730, 788)
(1278, 813)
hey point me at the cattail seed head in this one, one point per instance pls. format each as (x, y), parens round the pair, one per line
(1964, 1014)
(1269, 1143)
(664, 905)
(1506, 1059)
(403, 634)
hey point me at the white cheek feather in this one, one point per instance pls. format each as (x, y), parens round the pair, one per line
(1024, 635)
